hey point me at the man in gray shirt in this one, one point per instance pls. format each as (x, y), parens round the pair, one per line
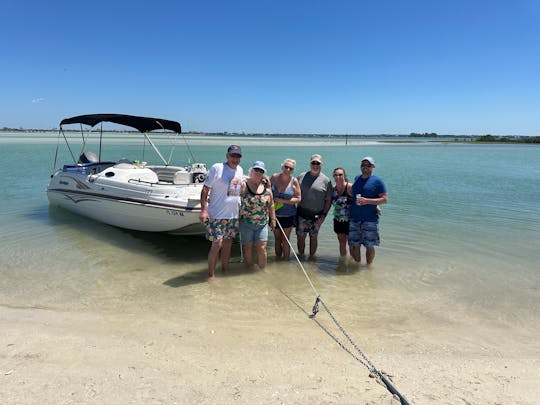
(314, 206)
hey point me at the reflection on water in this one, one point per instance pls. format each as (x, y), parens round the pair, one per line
(455, 253)
(163, 246)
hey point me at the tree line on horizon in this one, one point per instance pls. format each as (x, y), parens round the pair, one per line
(508, 139)
(474, 138)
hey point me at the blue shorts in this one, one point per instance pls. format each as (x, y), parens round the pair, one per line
(217, 229)
(250, 233)
(364, 233)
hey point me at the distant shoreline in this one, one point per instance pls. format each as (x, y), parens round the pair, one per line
(254, 134)
(379, 138)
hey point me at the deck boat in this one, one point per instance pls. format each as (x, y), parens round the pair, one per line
(127, 193)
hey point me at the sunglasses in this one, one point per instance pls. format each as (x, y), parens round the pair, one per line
(235, 155)
(338, 174)
(256, 169)
(366, 165)
(288, 168)
(316, 163)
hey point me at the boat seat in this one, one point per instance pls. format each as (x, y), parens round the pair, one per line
(182, 177)
(168, 174)
(128, 172)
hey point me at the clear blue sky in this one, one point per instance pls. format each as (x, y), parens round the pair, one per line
(357, 67)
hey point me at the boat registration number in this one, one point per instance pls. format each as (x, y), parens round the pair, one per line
(173, 212)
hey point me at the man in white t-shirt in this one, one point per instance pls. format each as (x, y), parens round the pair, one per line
(220, 197)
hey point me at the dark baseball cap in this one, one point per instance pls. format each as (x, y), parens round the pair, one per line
(235, 149)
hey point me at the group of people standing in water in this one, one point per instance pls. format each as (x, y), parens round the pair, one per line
(232, 203)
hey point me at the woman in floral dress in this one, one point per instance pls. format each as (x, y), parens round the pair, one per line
(256, 213)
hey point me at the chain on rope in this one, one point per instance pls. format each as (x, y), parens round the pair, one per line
(363, 359)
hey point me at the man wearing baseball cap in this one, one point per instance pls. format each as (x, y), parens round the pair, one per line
(220, 197)
(368, 192)
(316, 190)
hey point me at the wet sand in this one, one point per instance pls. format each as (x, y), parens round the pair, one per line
(234, 341)
(92, 314)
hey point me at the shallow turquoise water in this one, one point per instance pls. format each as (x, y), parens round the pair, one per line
(461, 231)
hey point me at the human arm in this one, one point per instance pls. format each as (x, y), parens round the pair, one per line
(295, 199)
(327, 206)
(382, 199)
(297, 192)
(376, 193)
(349, 189)
(266, 181)
(327, 203)
(203, 216)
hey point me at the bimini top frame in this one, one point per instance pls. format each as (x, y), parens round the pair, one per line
(142, 124)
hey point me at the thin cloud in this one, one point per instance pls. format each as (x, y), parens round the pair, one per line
(38, 100)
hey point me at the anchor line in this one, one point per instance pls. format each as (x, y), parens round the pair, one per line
(382, 377)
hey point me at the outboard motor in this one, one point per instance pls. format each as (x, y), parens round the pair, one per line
(88, 157)
(199, 177)
(199, 172)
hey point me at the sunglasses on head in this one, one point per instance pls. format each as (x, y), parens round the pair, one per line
(316, 163)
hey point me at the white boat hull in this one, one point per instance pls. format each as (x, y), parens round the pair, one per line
(131, 204)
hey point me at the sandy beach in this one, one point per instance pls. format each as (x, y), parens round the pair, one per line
(439, 96)
(217, 343)
(91, 314)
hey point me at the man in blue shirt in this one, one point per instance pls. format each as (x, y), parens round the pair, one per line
(368, 192)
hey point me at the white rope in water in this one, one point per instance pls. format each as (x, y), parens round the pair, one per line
(366, 362)
(241, 248)
(297, 259)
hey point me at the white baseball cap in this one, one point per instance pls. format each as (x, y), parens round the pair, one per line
(369, 159)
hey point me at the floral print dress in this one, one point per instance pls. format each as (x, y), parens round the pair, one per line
(254, 207)
(341, 203)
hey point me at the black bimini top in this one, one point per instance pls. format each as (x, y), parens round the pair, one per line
(142, 124)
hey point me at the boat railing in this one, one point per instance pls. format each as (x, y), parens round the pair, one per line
(90, 168)
(150, 183)
(162, 183)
